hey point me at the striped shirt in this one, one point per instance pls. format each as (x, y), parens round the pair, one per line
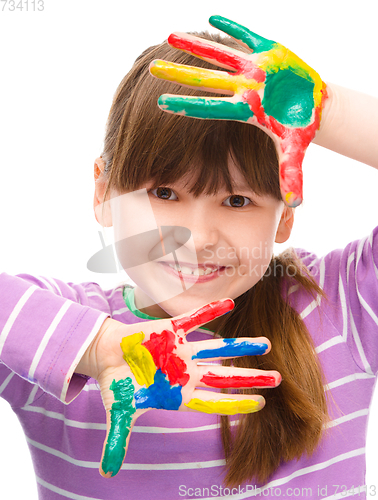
(46, 325)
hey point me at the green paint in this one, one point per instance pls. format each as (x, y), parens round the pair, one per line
(200, 107)
(120, 422)
(255, 42)
(289, 98)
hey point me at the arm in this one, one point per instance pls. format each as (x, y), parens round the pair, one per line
(43, 334)
(349, 125)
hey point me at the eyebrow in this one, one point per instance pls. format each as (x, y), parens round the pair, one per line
(242, 187)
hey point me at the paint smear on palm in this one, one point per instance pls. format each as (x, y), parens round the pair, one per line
(139, 359)
(224, 406)
(121, 414)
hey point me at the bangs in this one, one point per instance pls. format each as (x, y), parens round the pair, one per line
(146, 145)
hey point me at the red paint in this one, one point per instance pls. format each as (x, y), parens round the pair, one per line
(204, 315)
(161, 346)
(213, 380)
(294, 142)
(254, 101)
(205, 50)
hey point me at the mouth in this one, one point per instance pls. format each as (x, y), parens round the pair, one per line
(192, 273)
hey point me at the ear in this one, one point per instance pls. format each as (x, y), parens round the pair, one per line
(102, 210)
(285, 225)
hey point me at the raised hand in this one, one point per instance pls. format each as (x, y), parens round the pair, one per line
(152, 365)
(271, 88)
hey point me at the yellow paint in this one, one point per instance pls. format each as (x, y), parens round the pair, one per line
(201, 77)
(139, 359)
(282, 58)
(224, 406)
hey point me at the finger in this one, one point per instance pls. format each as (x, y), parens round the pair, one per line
(253, 41)
(197, 317)
(212, 52)
(291, 181)
(230, 348)
(206, 79)
(221, 404)
(206, 108)
(119, 423)
(230, 377)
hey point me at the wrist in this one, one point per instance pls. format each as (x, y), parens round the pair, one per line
(88, 364)
(331, 103)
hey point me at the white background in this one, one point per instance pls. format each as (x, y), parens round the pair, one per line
(59, 70)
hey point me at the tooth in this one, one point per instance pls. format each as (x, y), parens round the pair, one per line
(186, 270)
(199, 271)
(208, 270)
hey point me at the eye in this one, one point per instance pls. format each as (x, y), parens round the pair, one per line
(237, 201)
(163, 193)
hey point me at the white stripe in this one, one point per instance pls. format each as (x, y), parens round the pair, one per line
(67, 421)
(56, 286)
(47, 336)
(347, 418)
(372, 258)
(366, 306)
(344, 308)
(314, 304)
(47, 284)
(32, 394)
(91, 387)
(329, 343)
(118, 288)
(64, 493)
(349, 378)
(13, 315)
(322, 274)
(293, 289)
(95, 294)
(96, 465)
(142, 429)
(6, 381)
(298, 473)
(359, 346)
(349, 262)
(80, 354)
(118, 312)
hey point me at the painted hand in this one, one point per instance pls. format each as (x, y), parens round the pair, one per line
(152, 365)
(271, 88)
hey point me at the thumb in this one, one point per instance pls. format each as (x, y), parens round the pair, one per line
(120, 419)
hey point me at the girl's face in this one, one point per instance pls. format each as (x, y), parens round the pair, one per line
(229, 250)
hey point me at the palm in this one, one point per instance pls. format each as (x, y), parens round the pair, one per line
(271, 87)
(152, 365)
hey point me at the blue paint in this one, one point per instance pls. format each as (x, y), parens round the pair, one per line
(232, 348)
(160, 395)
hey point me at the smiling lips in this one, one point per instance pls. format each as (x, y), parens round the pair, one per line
(200, 272)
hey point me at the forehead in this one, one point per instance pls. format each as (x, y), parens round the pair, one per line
(237, 179)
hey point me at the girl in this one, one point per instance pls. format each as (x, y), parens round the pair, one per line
(222, 178)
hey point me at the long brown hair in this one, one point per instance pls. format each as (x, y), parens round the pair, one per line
(142, 144)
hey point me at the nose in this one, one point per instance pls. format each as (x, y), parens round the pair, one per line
(203, 228)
